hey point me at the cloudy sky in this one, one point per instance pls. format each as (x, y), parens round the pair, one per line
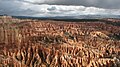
(51, 8)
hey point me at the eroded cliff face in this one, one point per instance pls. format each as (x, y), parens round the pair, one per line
(38, 43)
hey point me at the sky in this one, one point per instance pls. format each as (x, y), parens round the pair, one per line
(52, 8)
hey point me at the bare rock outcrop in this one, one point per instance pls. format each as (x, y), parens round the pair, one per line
(47, 43)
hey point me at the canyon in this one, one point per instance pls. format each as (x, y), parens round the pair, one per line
(51, 43)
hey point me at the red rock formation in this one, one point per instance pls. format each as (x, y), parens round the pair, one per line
(47, 43)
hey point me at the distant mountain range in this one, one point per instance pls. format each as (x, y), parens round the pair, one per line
(71, 17)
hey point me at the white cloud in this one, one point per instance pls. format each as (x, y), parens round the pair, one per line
(27, 9)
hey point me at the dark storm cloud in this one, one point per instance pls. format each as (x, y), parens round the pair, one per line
(109, 4)
(62, 7)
